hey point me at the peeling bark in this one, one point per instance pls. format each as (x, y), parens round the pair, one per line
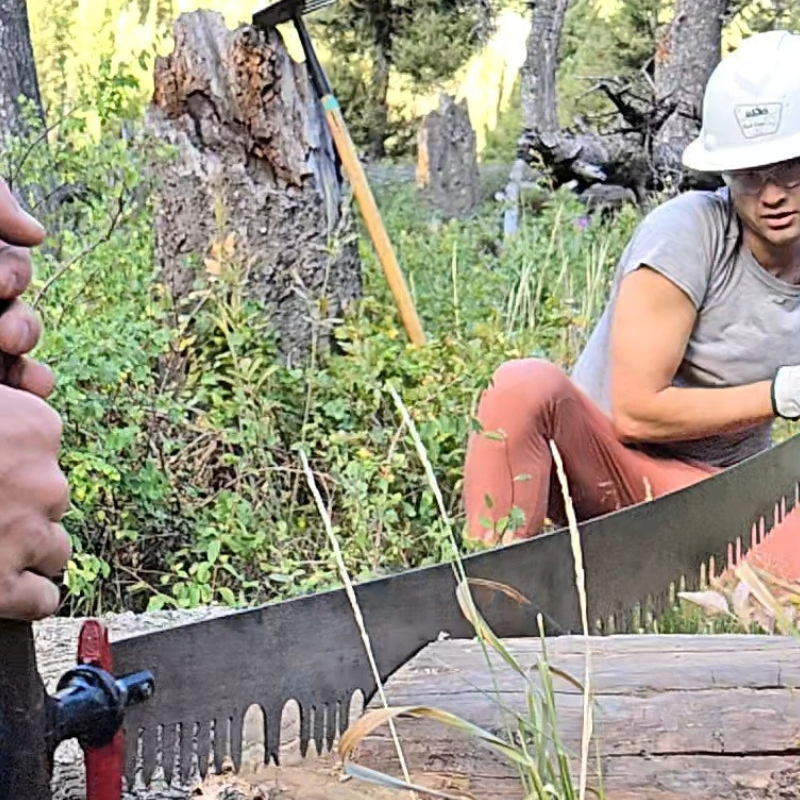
(252, 146)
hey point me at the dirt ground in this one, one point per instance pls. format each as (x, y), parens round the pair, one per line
(317, 778)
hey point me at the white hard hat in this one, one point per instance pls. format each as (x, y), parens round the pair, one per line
(751, 107)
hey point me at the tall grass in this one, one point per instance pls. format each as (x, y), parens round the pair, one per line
(532, 742)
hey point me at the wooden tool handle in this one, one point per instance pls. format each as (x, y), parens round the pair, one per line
(372, 219)
(24, 756)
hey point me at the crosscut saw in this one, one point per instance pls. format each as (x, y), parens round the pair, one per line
(184, 691)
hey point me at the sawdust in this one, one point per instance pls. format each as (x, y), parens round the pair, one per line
(783, 785)
(317, 779)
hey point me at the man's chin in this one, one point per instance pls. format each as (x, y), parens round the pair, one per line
(782, 234)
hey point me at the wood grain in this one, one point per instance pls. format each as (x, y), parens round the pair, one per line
(674, 716)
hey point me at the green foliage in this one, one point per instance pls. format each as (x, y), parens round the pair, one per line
(189, 490)
(371, 40)
(592, 49)
(763, 15)
(634, 34)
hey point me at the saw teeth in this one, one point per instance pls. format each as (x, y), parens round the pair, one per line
(186, 750)
(203, 747)
(169, 739)
(320, 712)
(305, 728)
(321, 722)
(333, 722)
(236, 734)
(272, 734)
(221, 742)
(149, 753)
(190, 749)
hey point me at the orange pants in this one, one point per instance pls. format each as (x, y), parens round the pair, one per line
(510, 465)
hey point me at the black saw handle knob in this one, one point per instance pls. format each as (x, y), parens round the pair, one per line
(89, 704)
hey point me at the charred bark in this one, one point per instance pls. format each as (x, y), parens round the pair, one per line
(17, 68)
(447, 162)
(252, 143)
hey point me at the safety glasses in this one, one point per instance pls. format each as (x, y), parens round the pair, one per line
(751, 181)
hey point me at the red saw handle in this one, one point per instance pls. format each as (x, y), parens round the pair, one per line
(104, 765)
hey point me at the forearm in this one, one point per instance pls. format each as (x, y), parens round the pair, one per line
(683, 414)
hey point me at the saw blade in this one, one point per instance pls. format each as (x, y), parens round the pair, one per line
(310, 650)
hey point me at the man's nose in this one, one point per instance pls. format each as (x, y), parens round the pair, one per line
(772, 194)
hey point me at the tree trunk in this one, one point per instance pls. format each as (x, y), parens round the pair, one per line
(447, 159)
(381, 69)
(17, 68)
(643, 151)
(538, 76)
(687, 52)
(254, 159)
(675, 717)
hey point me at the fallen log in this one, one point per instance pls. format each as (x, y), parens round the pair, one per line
(675, 717)
(56, 651)
(312, 778)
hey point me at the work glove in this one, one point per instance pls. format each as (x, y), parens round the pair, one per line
(786, 393)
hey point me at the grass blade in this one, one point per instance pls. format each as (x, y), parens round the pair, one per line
(387, 781)
(373, 720)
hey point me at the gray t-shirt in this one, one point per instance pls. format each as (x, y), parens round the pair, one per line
(748, 321)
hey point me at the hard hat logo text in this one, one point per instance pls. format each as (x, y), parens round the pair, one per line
(761, 119)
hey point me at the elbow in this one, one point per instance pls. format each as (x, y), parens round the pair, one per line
(627, 427)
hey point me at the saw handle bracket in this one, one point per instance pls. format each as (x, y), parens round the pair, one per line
(90, 704)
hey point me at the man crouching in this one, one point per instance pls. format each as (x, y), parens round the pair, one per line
(698, 349)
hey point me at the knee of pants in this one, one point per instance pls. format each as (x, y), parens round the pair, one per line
(523, 388)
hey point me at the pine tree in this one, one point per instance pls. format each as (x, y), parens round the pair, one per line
(370, 40)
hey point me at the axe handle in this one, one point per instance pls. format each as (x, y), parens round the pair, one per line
(364, 197)
(24, 756)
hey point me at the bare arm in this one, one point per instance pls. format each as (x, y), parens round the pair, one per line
(651, 326)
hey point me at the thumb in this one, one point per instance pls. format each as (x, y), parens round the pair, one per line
(17, 227)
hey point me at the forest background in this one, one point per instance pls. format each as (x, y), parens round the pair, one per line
(192, 492)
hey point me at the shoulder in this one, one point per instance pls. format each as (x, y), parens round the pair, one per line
(686, 238)
(699, 212)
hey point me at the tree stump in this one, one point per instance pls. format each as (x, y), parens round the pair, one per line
(447, 161)
(675, 717)
(253, 158)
